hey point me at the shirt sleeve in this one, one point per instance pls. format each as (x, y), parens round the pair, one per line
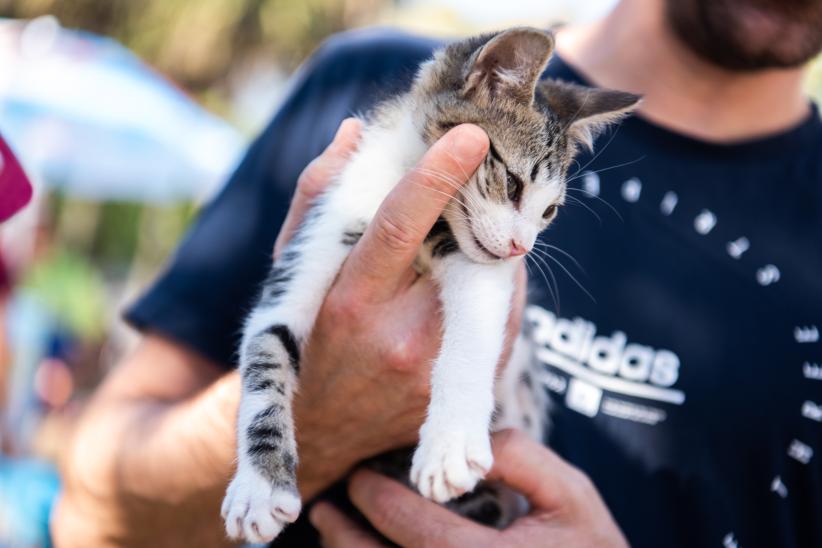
(202, 296)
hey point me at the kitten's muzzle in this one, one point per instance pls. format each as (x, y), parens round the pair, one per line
(517, 249)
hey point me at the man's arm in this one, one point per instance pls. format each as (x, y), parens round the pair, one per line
(152, 454)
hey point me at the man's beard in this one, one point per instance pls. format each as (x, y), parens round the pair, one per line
(747, 35)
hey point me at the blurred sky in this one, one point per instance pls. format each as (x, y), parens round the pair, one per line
(489, 13)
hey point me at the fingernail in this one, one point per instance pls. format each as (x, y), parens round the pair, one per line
(470, 142)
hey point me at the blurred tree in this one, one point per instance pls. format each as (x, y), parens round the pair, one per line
(197, 42)
(71, 288)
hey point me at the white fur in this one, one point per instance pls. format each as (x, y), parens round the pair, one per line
(454, 452)
(254, 510)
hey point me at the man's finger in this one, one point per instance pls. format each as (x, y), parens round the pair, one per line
(546, 480)
(316, 177)
(379, 262)
(337, 531)
(406, 518)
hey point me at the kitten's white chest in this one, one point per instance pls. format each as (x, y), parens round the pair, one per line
(387, 152)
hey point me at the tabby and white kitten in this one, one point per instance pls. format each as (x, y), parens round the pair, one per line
(473, 251)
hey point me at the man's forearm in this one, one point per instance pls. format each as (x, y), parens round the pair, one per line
(142, 467)
(150, 465)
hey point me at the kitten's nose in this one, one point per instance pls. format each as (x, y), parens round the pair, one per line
(517, 249)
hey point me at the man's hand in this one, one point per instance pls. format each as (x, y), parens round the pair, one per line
(365, 377)
(566, 509)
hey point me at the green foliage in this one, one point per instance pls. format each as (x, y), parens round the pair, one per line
(115, 239)
(120, 238)
(72, 289)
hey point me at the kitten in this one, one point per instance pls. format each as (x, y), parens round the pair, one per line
(473, 251)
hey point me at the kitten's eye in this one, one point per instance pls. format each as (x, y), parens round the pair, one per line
(550, 212)
(514, 187)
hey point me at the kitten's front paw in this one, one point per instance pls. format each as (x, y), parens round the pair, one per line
(449, 463)
(256, 511)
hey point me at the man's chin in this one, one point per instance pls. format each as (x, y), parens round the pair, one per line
(748, 35)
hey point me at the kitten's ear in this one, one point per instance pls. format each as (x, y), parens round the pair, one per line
(509, 64)
(586, 111)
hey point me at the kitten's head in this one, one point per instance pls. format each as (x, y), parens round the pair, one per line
(535, 129)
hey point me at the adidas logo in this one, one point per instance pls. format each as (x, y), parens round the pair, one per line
(612, 355)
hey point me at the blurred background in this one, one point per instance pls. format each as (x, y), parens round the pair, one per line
(127, 115)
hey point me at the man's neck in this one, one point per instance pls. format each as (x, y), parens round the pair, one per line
(632, 49)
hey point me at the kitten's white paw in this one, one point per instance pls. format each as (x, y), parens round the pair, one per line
(449, 463)
(255, 511)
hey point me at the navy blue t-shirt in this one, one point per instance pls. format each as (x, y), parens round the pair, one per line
(685, 361)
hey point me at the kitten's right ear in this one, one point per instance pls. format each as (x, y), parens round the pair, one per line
(585, 111)
(509, 64)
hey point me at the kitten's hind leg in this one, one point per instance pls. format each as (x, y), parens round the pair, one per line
(522, 402)
(263, 496)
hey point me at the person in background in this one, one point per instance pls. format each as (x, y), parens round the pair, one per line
(686, 396)
(5, 351)
(15, 193)
(15, 189)
(20, 520)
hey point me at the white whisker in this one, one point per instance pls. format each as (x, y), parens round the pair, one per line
(546, 244)
(554, 295)
(573, 278)
(601, 199)
(623, 164)
(586, 206)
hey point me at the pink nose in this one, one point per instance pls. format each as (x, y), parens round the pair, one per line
(517, 249)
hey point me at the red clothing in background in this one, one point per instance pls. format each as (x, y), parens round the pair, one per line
(15, 190)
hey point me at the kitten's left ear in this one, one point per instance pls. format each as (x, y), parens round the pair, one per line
(585, 111)
(509, 64)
